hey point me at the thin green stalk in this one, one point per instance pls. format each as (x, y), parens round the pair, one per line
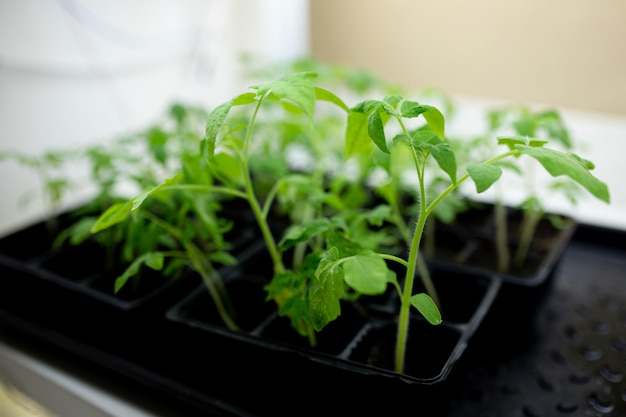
(407, 292)
(421, 264)
(209, 276)
(306, 213)
(399, 260)
(403, 323)
(270, 242)
(269, 199)
(299, 250)
(259, 212)
(464, 178)
(394, 258)
(529, 225)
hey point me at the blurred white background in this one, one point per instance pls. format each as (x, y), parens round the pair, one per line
(78, 71)
(568, 55)
(82, 71)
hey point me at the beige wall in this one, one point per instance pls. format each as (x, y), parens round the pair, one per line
(568, 53)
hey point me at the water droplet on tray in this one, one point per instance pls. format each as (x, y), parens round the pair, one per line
(601, 403)
(566, 407)
(602, 327)
(611, 374)
(545, 384)
(591, 353)
(579, 379)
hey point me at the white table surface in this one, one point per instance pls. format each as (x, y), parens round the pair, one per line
(37, 383)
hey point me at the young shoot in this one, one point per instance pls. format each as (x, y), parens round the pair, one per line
(229, 152)
(366, 125)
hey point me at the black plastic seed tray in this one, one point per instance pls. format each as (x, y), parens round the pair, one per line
(570, 360)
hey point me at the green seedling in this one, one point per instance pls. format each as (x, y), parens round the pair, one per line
(522, 122)
(50, 168)
(368, 126)
(339, 266)
(170, 224)
(232, 135)
(168, 227)
(175, 221)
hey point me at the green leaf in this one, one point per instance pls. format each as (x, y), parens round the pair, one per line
(77, 233)
(327, 262)
(325, 95)
(525, 125)
(435, 121)
(559, 163)
(223, 258)
(376, 130)
(445, 158)
(81, 230)
(425, 135)
(377, 215)
(552, 123)
(157, 139)
(281, 287)
(401, 159)
(532, 205)
(323, 307)
(140, 198)
(344, 245)
(214, 123)
(216, 120)
(512, 141)
(303, 232)
(326, 293)
(484, 175)
(227, 166)
(393, 100)
(292, 188)
(117, 213)
(153, 260)
(412, 109)
(366, 273)
(296, 88)
(387, 110)
(357, 139)
(244, 99)
(366, 106)
(56, 188)
(427, 308)
(584, 162)
(433, 116)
